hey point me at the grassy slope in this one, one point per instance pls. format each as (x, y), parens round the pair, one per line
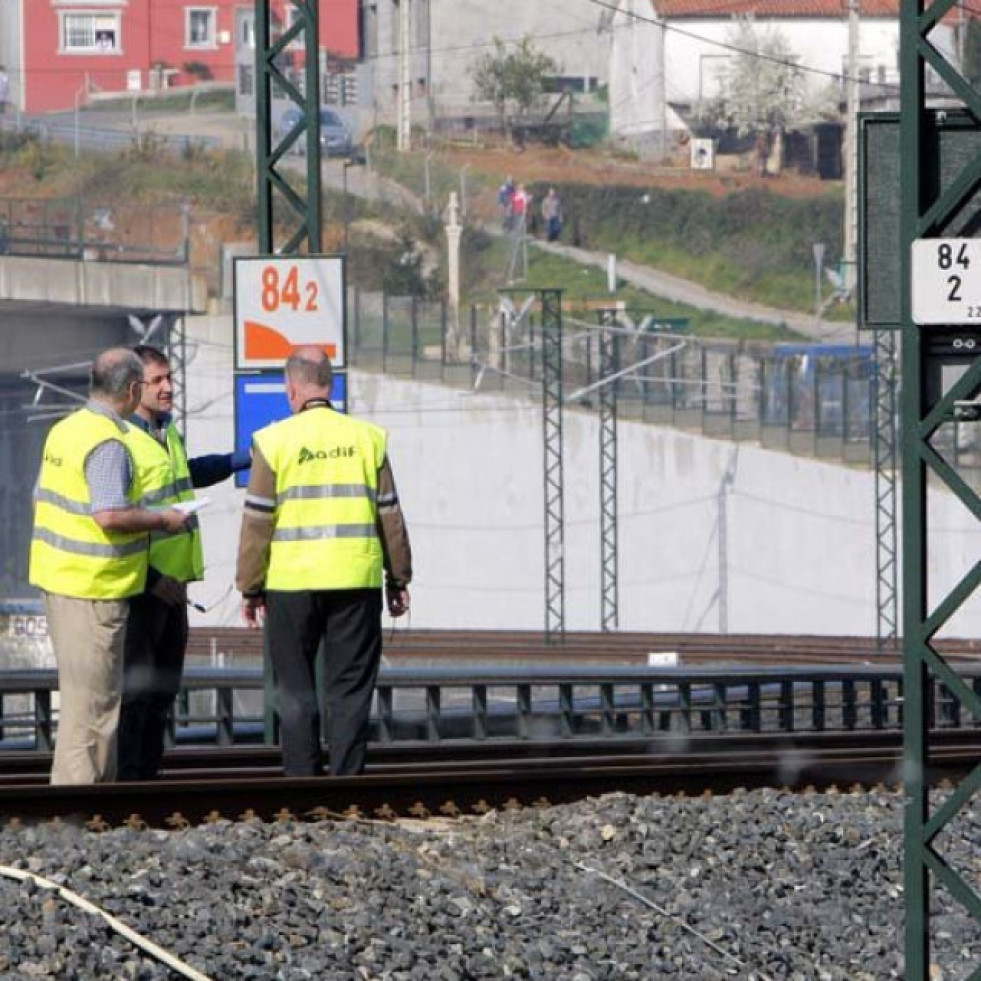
(728, 247)
(620, 231)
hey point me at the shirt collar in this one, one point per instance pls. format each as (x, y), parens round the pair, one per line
(148, 427)
(315, 403)
(102, 409)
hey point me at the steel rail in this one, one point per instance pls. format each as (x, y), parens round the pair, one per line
(31, 767)
(419, 789)
(604, 647)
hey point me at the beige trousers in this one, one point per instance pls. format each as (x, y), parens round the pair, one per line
(88, 638)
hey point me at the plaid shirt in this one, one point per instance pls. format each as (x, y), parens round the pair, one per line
(108, 468)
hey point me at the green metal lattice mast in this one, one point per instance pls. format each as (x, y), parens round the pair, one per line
(552, 405)
(936, 203)
(289, 215)
(288, 211)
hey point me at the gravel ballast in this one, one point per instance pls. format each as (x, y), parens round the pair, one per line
(760, 884)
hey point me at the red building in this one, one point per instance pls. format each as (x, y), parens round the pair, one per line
(60, 53)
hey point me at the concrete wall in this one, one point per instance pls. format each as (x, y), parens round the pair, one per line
(799, 534)
(459, 33)
(636, 73)
(695, 52)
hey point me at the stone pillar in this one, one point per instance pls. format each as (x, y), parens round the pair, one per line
(454, 231)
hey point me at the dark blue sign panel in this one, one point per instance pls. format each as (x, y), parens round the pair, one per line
(260, 399)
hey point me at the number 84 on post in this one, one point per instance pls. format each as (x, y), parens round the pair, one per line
(946, 287)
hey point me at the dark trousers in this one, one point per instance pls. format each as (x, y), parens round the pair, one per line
(349, 623)
(156, 637)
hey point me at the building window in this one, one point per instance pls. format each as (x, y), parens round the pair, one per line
(90, 33)
(202, 27)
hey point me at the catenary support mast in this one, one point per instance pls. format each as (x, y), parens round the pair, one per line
(289, 217)
(939, 200)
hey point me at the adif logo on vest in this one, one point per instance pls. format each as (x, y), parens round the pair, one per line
(334, 453)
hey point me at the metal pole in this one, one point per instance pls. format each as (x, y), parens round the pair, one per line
(916, 880)
(608, 368)
(818, 269)
(852, 107)
(405, 78)
(552, 404)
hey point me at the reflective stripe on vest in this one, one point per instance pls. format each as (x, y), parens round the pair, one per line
(178, 553)
(325, 533)
(70, 554)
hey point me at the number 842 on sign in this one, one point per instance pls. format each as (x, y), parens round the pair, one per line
(946, 281)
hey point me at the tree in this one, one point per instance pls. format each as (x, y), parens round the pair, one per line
(512, 79)
(763, 85)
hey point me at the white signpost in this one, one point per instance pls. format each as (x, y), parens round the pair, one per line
(283, 302)
(947, 281)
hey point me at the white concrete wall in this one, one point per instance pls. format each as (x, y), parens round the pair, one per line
(462, 31)
(636, 71)
(800, 542)
(695, 53)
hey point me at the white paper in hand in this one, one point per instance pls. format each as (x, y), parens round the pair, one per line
(192, 507)
(185, 507)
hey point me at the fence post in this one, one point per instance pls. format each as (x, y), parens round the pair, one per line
(473, 345)
(384, 331)
(414, 327)
(356, 340)
(442, 338)
(80, 226)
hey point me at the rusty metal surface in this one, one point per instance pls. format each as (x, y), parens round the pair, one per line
(417, 787)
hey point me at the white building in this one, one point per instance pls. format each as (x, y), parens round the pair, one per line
(447, 39)
(668, 57)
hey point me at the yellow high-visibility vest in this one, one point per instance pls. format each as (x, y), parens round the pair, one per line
(70, 554)
(167, 481)
(325, 534)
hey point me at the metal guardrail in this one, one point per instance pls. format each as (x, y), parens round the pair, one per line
(474, 705)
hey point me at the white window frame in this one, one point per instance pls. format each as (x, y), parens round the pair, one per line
(211, 44)
(99, 18)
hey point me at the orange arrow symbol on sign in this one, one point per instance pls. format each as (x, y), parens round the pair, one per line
(265, 343)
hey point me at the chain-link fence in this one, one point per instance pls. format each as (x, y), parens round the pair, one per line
(808, 399)
(76, 229)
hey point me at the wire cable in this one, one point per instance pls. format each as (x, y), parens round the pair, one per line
(147, 946)
(620, 884)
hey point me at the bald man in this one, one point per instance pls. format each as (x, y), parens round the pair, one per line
(89, 555)
(322, 528)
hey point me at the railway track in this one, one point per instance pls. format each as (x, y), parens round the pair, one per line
(529, 647)
(210, 786)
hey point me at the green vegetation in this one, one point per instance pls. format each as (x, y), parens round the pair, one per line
(512, 78)
(179, 100)
(141, 173)
(487, 260)
(752, 244)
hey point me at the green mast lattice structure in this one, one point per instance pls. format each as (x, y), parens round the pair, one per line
(289, 213)
(940, 180)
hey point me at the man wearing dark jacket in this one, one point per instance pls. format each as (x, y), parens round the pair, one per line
(322, 525)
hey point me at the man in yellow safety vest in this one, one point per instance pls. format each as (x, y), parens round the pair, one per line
(89, 556)
(322, 523)
(158, 627)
